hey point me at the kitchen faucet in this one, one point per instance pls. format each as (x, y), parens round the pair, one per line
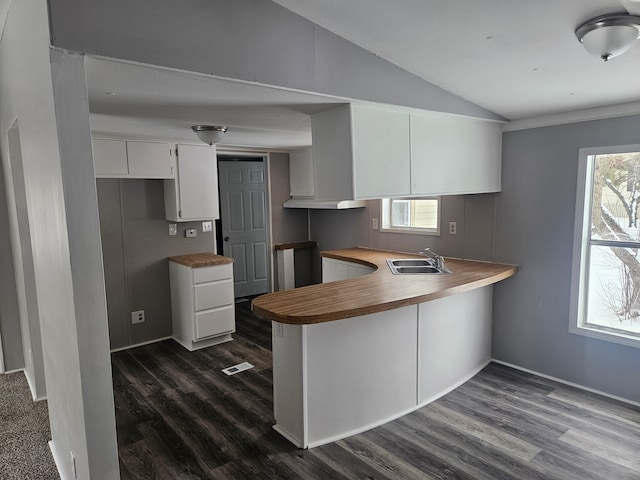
(438, 259)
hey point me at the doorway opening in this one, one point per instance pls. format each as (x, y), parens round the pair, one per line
(243, 232)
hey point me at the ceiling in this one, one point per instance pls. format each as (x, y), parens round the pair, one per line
(517, 58)
(147, 101)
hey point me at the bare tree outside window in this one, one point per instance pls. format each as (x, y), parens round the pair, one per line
(614, 265)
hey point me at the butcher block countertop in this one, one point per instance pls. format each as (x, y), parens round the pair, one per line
(197, 260)
(376, 292)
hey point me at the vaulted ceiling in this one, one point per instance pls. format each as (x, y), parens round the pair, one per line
(517, 58)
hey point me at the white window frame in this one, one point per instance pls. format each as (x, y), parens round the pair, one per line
(581, 241)
(411, 230)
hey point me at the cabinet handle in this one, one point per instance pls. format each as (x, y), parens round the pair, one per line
(226, 239)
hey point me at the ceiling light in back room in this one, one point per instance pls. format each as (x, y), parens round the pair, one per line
(209, 134)
(608, 36)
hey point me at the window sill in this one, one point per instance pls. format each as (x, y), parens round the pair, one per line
(433, 233)
(619, 338)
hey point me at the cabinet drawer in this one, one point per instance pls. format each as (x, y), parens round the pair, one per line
(214, 322)
(213, 273)
(212, 295)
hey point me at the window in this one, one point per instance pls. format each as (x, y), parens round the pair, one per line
(411, 215)
(606, 271)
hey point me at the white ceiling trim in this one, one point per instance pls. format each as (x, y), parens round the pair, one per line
(584, 115)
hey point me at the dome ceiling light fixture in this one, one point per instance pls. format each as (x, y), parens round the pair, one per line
(610, 35)
(209, 134)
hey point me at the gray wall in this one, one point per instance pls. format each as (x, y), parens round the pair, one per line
(24, 270)
(252, 40)
(287, 224)
(534, 229)
(10, 335)
(135, 246)
(334, 229)
(474, 215)
(45, 90)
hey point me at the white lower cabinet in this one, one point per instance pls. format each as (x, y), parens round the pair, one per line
(334, 270)
(335, 379)
(202, 305)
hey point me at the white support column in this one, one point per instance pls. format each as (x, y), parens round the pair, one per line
(286, 270)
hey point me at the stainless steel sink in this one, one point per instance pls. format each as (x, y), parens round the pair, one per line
(405, 262)
(418, 266)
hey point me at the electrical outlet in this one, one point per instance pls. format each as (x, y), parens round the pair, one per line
(190, 233)
(374, 223)
(137, 317)
(173, 229)
(453, 228)
(207, 226)
(279, 329)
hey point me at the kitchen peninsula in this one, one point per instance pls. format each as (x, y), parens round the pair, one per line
(353, 354)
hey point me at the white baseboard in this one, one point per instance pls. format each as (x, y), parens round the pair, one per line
(128, 347)
(13, 371)
(571, 384)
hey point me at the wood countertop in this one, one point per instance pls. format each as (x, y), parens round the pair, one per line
(197, 260)
(376, 292)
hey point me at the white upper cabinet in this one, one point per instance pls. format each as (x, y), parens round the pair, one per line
(381, 154)
(193, 195)
(301, 177)
(110, 157)
(114, 158)
(150, 159)
(360, 153)
(454, 155)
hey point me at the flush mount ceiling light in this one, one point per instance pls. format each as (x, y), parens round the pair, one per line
(608, 36)
(209, 134)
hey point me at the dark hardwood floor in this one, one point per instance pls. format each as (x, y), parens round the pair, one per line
(179, 417)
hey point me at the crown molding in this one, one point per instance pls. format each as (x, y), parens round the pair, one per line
(574, 116)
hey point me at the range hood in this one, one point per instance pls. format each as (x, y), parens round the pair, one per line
(323, 204)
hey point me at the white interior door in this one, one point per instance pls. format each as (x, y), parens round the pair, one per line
(243, 213)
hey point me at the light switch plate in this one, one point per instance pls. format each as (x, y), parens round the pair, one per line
(207, 226)
(173, 229)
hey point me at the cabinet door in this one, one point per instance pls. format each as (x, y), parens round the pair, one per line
(380, 153)
(356, 270)
(150, 160)
(194, 193)
(301, 177)
(334, 270)
(109, 158)
(454, 155)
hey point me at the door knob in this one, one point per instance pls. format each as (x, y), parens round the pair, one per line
(226, 239)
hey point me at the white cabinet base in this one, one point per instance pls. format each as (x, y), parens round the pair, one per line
(202, 305)
(192, 346)
(336, 379)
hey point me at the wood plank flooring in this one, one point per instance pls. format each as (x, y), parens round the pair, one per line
(179, 417)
